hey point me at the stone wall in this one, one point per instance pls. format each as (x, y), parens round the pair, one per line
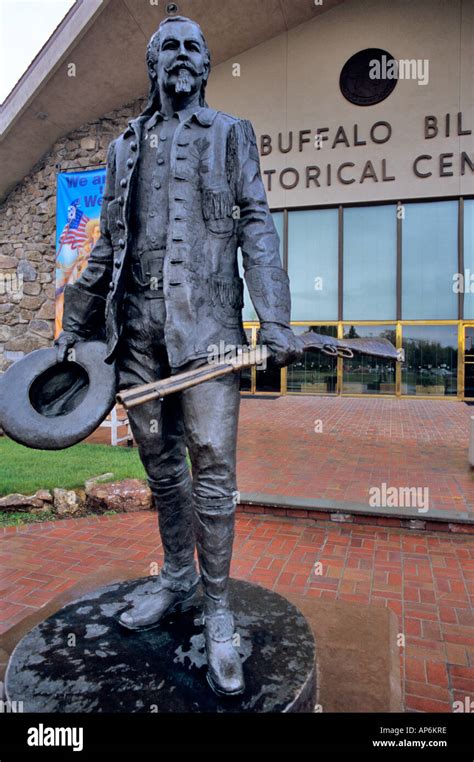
(27, 235)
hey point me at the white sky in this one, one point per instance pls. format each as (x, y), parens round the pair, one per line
(25, 25)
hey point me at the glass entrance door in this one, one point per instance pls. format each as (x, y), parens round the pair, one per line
(469, 362)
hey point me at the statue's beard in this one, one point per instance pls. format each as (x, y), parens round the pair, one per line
(184, 82)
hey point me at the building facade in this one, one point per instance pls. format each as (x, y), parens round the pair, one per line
(371, 184)
(374, 203)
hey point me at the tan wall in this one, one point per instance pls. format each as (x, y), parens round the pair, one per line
(292, 83)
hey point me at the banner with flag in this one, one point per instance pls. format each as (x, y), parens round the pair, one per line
(78, 202)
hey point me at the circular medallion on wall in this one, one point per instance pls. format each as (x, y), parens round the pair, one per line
(368, 77)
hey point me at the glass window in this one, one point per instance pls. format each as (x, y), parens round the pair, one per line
(431, 359)
(370, 263)
(313, 264)
(469, 259)
(429, 260)
(316, 372)
(369, 375)
(248, 313)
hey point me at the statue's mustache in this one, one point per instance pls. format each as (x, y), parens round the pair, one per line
(174, 68)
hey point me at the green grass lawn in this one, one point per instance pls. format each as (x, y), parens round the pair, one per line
(24, 470)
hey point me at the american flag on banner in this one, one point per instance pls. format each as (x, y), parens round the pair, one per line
(74, 232)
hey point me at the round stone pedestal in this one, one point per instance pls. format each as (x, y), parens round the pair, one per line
(82, 660)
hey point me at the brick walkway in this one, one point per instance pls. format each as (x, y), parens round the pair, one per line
(425, 578)
(364, 443)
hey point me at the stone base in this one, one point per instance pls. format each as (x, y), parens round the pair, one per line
(81, 660)
(358, 655)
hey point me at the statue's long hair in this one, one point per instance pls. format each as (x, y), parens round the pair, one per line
(152, 53)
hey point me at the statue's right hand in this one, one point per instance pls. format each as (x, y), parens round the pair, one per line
(63, 343)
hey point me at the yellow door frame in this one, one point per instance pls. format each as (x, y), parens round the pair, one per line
(462, 357)
(398, 326)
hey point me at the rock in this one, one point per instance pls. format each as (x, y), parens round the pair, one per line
(28, 271)
(45, 495)
(27, 343)
(7, 263)
(31, 288)
(97, 479)
(124, 496)
(47, 311)
(42, 328)
(8, 332)
(88, 144)
(66, 501)
(31, 302)
(34, 256)
(18, 502)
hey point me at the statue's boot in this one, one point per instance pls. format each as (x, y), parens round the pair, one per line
(214, 527)
(175, 587)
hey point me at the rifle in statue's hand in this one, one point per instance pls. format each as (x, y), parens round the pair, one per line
(249, 356)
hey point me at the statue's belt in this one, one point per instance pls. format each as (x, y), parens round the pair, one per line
(147, 272)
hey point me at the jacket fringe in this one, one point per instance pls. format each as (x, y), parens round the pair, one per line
(231, 156)
(226, 291)
(247, 136)
(247, 129)
(217, 204)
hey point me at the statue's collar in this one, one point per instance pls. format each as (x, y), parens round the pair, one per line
(204, 115)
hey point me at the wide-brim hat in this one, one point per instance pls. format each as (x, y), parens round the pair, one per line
(48, 405)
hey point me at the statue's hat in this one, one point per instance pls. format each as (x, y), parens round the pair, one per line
(48, 405)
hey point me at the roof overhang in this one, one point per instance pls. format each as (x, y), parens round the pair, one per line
(106, 42)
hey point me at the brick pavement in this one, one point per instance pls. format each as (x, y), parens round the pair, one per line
(363, 443)
(426, 578)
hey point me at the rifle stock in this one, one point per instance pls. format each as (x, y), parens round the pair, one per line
(159, 389)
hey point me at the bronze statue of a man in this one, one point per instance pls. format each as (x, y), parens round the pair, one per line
(183, 191)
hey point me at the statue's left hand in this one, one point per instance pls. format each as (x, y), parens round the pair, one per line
(282, 343)
(64, 343)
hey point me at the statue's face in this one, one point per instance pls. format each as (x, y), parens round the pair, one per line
(181, 64)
